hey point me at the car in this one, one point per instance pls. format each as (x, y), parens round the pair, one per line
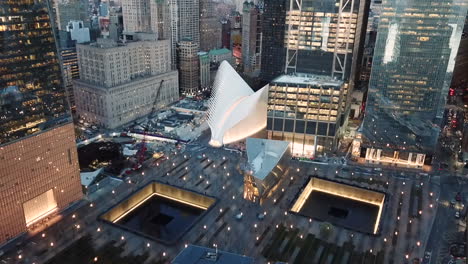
(260, 216)
(458, 197)
(457, 214)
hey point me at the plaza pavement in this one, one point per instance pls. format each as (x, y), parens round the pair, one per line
(227, 233)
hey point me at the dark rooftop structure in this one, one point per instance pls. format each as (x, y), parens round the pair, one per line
(201, 255)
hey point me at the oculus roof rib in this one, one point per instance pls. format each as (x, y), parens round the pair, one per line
(235, 111)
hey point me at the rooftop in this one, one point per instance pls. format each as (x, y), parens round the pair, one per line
(202, 255)
(218, 51)
(308, 79)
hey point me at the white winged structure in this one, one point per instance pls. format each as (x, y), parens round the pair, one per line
(235, 111)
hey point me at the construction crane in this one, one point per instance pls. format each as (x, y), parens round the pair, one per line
(142, 150)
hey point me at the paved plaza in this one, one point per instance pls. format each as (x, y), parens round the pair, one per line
(410, 207)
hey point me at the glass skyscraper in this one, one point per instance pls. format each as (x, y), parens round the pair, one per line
(39, 173)
(414, 58)
(273, 29)
(32, 97)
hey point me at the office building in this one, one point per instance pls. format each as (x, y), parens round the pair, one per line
(72, 10)
(305, 110)
(104, 9)
(189, 20)
(210, 27)
(70, 71)
(328, 40)
(187, 53)
(219, 55)
(118, 81)
(251, 38)
(414, 58)
(75, 33)
(226, 34)
(273, 29)
(139, 16)
(210, 33)
(204, 66)
(78, 32)
(39, 173)
(324, 41)
(115, 23)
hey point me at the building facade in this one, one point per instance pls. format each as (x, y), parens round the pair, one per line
(219, 55)
(71, 71)
(118, 81)
(328, 39)
(210, 27)
(72, 10)
(414, 58)
(226, 34)
(251, 38)
(189, 73)
(39, 173)
(139, 16)
(204, 66)
(306, 111)
(210, 33)
(189, 20)
(273, 29)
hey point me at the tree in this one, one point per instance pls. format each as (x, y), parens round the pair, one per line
(326, 229)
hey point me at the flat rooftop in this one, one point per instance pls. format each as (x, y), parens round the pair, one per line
(341, 204)
(201, 255)
(308, 79)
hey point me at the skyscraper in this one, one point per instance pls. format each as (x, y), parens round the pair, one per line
(226, 34)
(323, 43)
(251, 38)
(39, 172)
(189, 19)
(72, 10)
(325, 37)
(273, 28)
(210, 27)
(140, 16)
(189, 76)
(414, 58)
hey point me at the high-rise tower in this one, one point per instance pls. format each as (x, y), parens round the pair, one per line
(189, 19)
(414, 58)
(273, 28)
(39, 173)
(251, 38)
